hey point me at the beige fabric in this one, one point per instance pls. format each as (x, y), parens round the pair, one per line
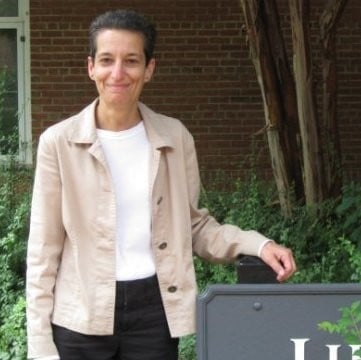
(71, 250)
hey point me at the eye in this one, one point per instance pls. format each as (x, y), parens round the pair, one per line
(132, 61)
(105, 60)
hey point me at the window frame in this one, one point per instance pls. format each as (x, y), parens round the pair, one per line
(21, 24)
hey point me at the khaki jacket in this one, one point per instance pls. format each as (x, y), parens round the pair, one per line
(71, 249)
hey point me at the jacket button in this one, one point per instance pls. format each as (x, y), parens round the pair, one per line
(159, 200)
(172, 289)
(163, 245)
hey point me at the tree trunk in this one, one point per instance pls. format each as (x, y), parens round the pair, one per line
(266, 76)
(328, 22)
(311, 147)
(290, 127)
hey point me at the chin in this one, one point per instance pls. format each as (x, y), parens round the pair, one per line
(116, 100)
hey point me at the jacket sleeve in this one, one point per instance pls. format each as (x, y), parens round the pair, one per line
(212, 241)
(45, 245)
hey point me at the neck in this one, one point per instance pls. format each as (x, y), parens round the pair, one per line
(116, 119)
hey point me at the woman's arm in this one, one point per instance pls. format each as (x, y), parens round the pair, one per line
(45, 245)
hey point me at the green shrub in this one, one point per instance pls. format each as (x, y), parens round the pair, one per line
(8, 112)
(349, 212)
(15, 183)
(187, 348)
(322, 239)
(13, 332)
(348, 326)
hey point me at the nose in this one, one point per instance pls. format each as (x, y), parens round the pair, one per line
(118, 71)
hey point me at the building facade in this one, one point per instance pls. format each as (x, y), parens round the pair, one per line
(204, 74)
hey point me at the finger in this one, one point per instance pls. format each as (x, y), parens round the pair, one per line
(280, 259)
(277, 267)
(288, 264)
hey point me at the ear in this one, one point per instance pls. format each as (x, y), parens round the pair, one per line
(149, 71)
(90, 68)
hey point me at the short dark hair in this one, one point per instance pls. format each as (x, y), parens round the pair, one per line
(124, 20)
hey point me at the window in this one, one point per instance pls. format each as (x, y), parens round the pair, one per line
(15, 112)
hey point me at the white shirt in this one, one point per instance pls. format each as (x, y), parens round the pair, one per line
(128, 156)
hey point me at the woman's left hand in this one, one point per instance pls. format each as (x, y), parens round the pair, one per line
(280, 259)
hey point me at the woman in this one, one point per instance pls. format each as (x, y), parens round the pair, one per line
(115, 221)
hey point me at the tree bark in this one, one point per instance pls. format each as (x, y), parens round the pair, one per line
(290, 128)
(328, 22)
(266, 76)
(307, 114)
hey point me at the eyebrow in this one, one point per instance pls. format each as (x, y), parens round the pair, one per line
(110, 54)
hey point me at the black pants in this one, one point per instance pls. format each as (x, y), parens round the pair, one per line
(140, 332)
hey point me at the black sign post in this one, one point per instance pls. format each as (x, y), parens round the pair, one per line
(252, 270)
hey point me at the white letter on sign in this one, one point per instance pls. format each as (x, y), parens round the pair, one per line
(333, 351)
(355, 348)
(300, 348)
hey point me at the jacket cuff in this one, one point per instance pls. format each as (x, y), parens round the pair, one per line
(42, 347)
(254, 242)
(265, 242)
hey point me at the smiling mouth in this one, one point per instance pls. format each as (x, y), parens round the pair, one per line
(118, 86)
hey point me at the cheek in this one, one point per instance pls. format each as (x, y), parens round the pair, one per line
(99, 76)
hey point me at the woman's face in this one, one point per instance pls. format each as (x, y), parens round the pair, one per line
(119, 68)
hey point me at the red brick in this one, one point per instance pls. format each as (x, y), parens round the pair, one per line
(204, 76)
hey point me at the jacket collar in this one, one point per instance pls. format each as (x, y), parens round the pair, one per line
(83, 130)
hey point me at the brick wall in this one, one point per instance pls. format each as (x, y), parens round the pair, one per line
(204, 74)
